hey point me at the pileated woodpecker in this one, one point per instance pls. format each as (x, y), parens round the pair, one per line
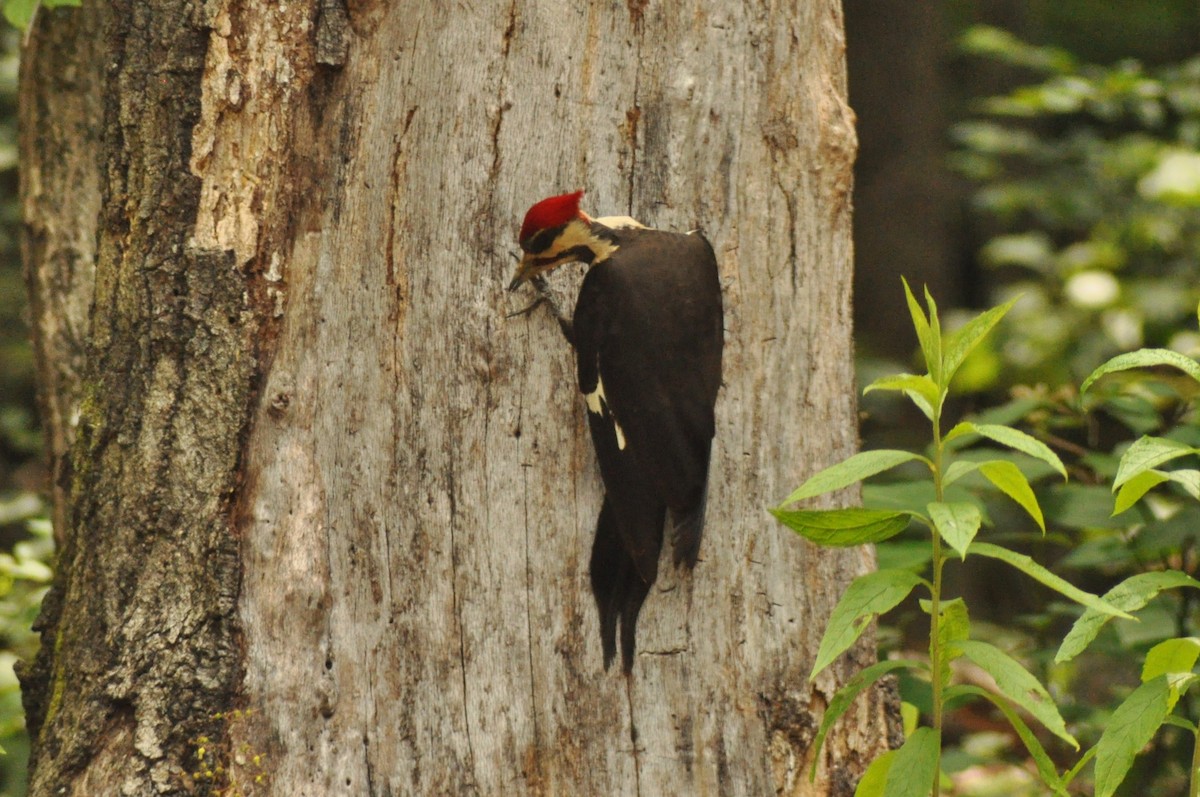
(647, 333)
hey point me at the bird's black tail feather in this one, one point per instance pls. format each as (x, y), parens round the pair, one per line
(687, 527)
(618, 587)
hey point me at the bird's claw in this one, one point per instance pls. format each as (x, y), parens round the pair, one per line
(546, 297)
(538, 302)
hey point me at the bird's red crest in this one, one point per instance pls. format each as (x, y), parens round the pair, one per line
(550, 213)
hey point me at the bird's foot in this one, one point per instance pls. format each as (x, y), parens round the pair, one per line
(546, 297)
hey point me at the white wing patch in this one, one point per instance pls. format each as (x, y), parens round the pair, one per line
(594, 398)
(597, 403)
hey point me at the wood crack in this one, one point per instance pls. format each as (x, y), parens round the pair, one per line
(458, 615)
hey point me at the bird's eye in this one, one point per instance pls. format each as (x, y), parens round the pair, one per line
(541, 240)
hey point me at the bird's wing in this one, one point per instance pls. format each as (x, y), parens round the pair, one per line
(655, 321)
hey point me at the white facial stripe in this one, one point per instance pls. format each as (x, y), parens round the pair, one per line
(577, 234)
(620, 435)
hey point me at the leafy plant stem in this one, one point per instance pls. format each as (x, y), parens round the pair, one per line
(935, 597)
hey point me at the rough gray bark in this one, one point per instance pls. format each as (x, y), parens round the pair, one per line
(301, 394)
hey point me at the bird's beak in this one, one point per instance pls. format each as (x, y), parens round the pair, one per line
(524, 272)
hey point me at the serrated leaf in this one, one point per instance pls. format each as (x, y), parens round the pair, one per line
(1172, 655)
(858, 467)
(1130, 595)
(914, 770)
(931, 346)
(843, 528)
(1013, 438)
(1044, 576)
(954, 625)
(1146, 453)
(1177, 684)
(844, 697)
(875, 778)
(1144, 358)
(1132, 490)
(970, 335)
(867, 597)
(1045, 767)
(1130, 728)
(956, 522)
(1009, 479)
(1018, 685)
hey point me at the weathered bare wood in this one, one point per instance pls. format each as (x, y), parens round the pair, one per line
(335, 415)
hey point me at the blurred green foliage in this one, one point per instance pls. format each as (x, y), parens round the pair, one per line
(1086, 189)
(1088, 179)
(26, 548)
(24, 578)
(19, 13)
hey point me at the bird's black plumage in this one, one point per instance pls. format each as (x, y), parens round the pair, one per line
(648, 335)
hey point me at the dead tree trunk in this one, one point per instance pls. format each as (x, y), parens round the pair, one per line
(325, 510)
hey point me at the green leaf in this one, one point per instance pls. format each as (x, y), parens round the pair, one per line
(866, 597)
(915, 767)
(843, 528)
(1188, 479)
(1009, 479)
(1018, 685)
(910, 384)
(1173, 655)
(1130, 595)
(1180, 722)
(1130, 728)
(966, 339)
(999, 44)
(858, 467)
(1045, 767)
(935, 331)
(1044, 576)
(1146, 453)
(924, 406)
(957, 523)
(1013, 438)
(19, 13)
(931, 345)
(1132, 490)
(954, 626)
(958, 468)
(844, 697)
(873, 780)
(1144, 358)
